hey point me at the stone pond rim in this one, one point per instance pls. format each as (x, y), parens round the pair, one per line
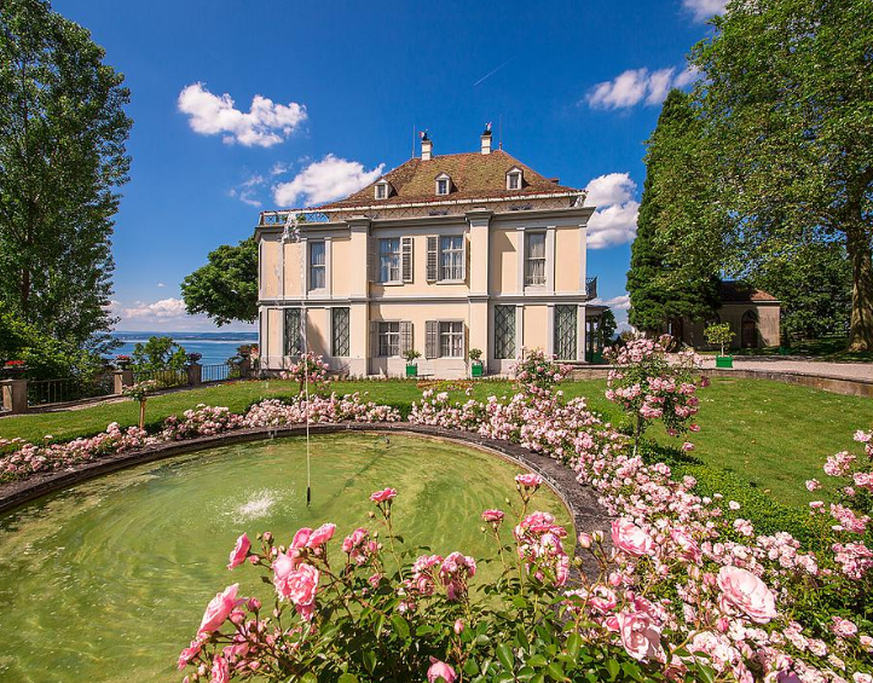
(580, 500)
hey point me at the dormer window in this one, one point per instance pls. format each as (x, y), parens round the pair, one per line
(514, 179)
(383, 189)
(443, 184)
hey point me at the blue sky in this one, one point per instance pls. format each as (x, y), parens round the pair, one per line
(242, 106)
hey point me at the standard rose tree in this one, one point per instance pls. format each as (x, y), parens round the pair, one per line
(649, 385)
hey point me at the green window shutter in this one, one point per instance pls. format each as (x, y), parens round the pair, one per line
(432, 339)
(406, 258)
(406, 339)
(372, 260)
(433, 248)
(374, 338)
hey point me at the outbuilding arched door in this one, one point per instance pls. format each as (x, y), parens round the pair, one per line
(749, 333)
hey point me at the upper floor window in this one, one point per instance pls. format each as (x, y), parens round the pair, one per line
(452, 257)
(535, 258)
(443, 184)
(389, 259)
(514, 179)
(317, 265)
(382, 190)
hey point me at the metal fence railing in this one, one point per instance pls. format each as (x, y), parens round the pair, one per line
(47, 391)
(164, 379)
(219, 372)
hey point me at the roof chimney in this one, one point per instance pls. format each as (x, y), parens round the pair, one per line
(486, 140)
(426, 147)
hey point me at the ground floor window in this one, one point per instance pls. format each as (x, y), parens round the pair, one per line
(389, 339)
(293, 332)
(452, 339)
(504, 332)
(339, 326)
(565, 332)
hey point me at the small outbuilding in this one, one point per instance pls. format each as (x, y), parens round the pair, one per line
(753, 315)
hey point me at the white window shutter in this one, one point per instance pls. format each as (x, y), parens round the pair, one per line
(433, 244)
(432, 339)
(406, 258)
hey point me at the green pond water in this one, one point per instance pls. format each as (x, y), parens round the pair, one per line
(108, 580)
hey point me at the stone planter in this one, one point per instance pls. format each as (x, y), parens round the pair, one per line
(724, 361)
(411, 370)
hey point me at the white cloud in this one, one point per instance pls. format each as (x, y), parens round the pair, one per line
(157, 311)
(620, 302)
(264, 125)
(161, 284)
(325, 180)
(704, 9)
(636, 86)
(247, 190)
(280, 168)
(615, 220)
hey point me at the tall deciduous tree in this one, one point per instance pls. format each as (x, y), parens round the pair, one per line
(226, 288)
(663, 287)
(62, 157)
(785, 99)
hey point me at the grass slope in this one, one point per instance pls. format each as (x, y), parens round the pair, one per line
(770, 436)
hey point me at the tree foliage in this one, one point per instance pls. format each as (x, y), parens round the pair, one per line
(62, 157)
(784, 102)
(159, 353)
(226, 288)
(813, 282)
(661, 285)
(45, 357)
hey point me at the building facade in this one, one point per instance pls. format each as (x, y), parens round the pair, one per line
(444, 254)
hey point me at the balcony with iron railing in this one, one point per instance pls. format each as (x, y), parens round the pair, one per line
(591, 288)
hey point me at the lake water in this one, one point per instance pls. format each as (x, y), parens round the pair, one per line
(216, 347)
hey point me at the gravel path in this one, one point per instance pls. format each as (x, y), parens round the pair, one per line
(799, 365)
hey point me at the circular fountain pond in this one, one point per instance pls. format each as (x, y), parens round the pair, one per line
(108, 580)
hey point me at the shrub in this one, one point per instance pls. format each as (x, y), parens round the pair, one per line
(719, 334)
(535, 371)
(309, 369)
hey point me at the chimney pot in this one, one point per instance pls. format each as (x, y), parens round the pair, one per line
(426, 148)
(486, 142)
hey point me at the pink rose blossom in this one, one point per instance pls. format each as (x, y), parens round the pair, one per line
(640, 636)
(220, 670)
(748, 593)
(218, 609)
(321, 535)
(384, 495)
(843, 627)
(494, 516)
(529, 480)
(239, 552)
(630, 539)
(439, 670)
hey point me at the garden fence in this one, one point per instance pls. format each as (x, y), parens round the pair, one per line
(219, 372)
(47, 391)
(165, 379)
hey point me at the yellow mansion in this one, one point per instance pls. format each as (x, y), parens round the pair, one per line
(444, 254)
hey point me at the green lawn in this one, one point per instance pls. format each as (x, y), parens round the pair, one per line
(771, 436)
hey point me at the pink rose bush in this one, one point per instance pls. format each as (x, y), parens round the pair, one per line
(752, 602)
(19, 460)
(649, 386)
(370, 613)
(535, 372)
(309, 368)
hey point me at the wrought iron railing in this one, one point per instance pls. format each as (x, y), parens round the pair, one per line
(591, 287)
(219, 372)
(165, 379)
(42, 392)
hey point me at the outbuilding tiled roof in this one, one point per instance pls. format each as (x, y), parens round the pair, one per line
(733, 292)
(474, 176)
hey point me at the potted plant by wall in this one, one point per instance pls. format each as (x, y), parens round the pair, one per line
(411, 368)
(477, 367)
(123, 361)
(14, 369)
(720, 334)
(194, 358)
